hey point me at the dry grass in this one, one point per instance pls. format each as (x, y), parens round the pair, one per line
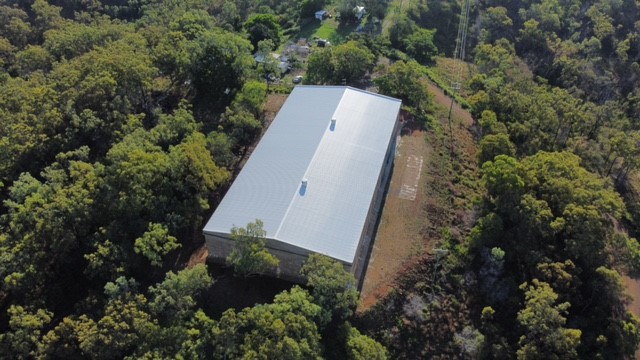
(410, 303)
(398, 237)
(199, 256)
(409, 229)
(272, 106)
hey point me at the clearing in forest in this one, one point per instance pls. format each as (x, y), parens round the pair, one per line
(421, 199)
(398, 237)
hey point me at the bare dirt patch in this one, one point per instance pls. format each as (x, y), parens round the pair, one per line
(633, 290)
(199, 256)
(398, 236)
(272, 106)
(430, 190)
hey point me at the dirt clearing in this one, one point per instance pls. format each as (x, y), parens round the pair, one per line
(425, 195)
(272, 106)
(398, 236)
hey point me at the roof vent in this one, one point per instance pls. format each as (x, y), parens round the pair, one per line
(333, 124)
(303, 187)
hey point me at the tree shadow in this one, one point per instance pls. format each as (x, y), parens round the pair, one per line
(342, 32)
(229, 291)
(308, 27)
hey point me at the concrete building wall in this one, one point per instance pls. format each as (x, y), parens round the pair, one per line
(291, 262)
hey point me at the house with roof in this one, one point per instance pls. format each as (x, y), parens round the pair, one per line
(316, 179)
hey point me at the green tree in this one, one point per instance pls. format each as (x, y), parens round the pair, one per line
(555, 223)
(155, 243)
(332, 287)
(60, 209)
(493, 145)
(346, 63)
(192, 23)
(161, 186)
(351, 61)
(229, 16)
(320, 67)
(7, 52)
(263, 27)
(492, 59)
(101, 90)
(249, 255)
(194, 178)
(31, 121)
(47, 16)
(490, 125)
(496, 24)
(173, 301)
(220, 63)
(404, 80)
(14, 26)
(131, 326)
(420, 46)
(543, 320)
(252, 97)
(31, 59)
(402, 29)
(504, 184)
(172, 57)
(242, 126)
(553, 201)
(173, 129)
(269, 64)
(24, 333)
(74, 38)
(123, 327)
(220, 146)
(281, 330)
(362, 347)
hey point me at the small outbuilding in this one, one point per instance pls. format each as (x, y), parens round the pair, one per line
(321, 15)
(359, 12)
(316, 179)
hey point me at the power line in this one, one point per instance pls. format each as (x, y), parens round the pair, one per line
(458, 57)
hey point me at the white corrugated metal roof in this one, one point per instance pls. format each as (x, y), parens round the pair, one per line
(341, 164)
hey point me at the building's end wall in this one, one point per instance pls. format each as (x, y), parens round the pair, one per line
(220, 248)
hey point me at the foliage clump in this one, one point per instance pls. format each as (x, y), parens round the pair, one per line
(249, 255)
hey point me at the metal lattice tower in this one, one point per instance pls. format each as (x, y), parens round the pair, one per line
(461, 44)
(459, 56)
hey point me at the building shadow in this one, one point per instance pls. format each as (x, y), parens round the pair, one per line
(229, 291)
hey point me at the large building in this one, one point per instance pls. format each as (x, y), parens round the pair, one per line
(316, 179)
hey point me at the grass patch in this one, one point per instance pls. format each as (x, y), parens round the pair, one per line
(329, 29)
(445, 67)
(445, 85)
(443, 73)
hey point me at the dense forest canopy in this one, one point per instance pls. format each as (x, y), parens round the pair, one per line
(122, 123)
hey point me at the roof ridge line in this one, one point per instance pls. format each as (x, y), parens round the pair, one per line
(304, 175)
